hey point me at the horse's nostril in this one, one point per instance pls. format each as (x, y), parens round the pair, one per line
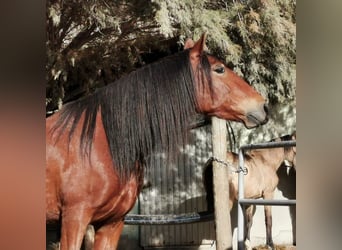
(266, 108)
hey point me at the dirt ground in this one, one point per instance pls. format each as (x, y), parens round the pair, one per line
(277, 247)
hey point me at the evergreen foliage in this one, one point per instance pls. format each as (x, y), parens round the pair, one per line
(92, 43)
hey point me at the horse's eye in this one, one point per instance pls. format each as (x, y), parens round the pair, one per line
(219, 70)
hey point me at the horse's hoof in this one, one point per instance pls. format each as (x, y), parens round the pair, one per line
(248, 245)
(271, 247)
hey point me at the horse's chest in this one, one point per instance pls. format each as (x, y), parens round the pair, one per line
(118, 202)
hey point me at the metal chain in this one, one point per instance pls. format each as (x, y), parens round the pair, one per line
(229, 165)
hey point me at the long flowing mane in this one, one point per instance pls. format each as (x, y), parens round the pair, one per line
(145, 112)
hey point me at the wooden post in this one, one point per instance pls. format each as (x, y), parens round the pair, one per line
(221, 185)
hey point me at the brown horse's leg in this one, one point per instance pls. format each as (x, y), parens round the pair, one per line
(249, 213)
(249, 220)
(293, 220)
(268, 220)
(89, 238)
(74, 224)
(107, 237)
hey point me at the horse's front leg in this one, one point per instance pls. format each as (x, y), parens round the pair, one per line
(268, 221)
(249, 213)
(89, 238)
(107, 236)
(249, 220)
(74, 224)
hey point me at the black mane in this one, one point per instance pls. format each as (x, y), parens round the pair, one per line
(145, 112)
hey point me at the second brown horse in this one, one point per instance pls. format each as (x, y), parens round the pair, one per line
(260, 182)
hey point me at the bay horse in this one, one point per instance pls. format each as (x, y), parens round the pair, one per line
(260, 181)
(98, 146)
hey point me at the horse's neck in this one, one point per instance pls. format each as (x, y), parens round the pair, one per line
(273, 157)
(231, 157)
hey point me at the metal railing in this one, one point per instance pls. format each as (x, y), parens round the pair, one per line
(242, 201)
(168, 219)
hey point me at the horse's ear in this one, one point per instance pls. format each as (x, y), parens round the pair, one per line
(199, 46)
(189, 43)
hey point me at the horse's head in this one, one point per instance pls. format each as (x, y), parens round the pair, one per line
(292, 152)
(221, 92)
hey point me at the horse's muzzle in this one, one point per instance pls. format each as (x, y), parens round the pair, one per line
(258, 117)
